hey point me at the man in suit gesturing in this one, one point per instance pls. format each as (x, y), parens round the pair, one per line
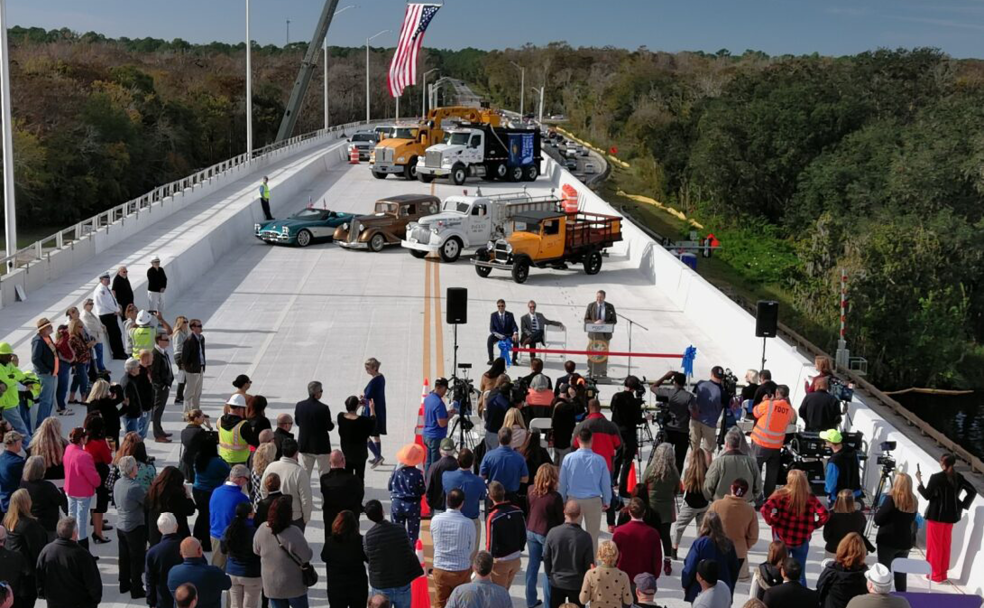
(534, 326)
(193, 364)
(599, 311)
(501, 325)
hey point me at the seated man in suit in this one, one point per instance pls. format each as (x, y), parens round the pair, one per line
(502, 325)
(533, 327)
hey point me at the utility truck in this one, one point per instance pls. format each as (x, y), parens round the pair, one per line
(483, 151)
(468, 222)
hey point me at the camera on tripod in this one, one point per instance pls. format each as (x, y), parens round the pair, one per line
(462, 389)
(885, 460)
(841, 391)
(729, 382)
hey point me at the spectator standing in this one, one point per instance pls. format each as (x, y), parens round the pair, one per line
(242, 565)
(406, 488)
(820, 410)
(730, 465)
(374, 404)
(235, 433)
(340, 491)
(879, 591)
(168, 494)
(713, 545)
(314, 423)
(766, 388)
(586, 478)
(122, 289)
(679, 404)
(11, 467)
(454, 540)
(436, 416)
(564, 420)
(46, 498)
(14, 570)
(639, 549)
(193, 365)
(50, 445)
(265, 198)
(138, 395)
(825, 371)
(794, 513)
(714, 593)
(210, 473)
(257, 420)
(546, 509)
(210, 581)
(66, 575)
(186, 596)
(262, 458)
(645, 591)
(481, 591)
(108, 309)
(844, 519)
(222, 509)
(843, 467)
(791, 592)
(96, 331)
(505, 535)
(605, 586)
(66, 360)
(81, 344)
(162, 377)
(496, 406)
(161, 557)
(102, 456)
(605, 441)
(567, 557)
(271, 486)
(107, 400)
(694, 502)
(843, 578)
(662, 480)
(505, 465)
(435, 475)
(131, 528)
(772, 418)
(626, 416)
(393, 565)
(81, 481)
(474, 488)
(179, 334)
(345, 563)
(156, 285)
(192, 438)
(708, 404)
(294, 482)
(26, 537)
(11, 400)
(945, 505)
(354, 433)
(896, 518)
(740, 522)
(285, 422)
(520, 434)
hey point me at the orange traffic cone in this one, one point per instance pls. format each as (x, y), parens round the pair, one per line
(354, 156)
(419, 595)
(418, 438)
(631, 483)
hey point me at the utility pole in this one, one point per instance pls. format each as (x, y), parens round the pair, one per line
(540, 90)
(288, 32)
(9, 205)
(341, 10)
(368, 40)
(249, 90)
(842, 358)
(423, 95)
(522, 86)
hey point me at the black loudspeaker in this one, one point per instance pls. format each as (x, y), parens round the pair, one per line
(457, 305)
(766, 319)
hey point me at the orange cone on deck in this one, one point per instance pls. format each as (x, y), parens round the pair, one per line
(418, 438)
(419, 595)
(632, 482)
(354, 156)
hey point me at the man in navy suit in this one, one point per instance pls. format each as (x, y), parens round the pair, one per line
(502, 325)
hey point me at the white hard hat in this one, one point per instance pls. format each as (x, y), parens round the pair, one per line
(144, 318)
(236, 400)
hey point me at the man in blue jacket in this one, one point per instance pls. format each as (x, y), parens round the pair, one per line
(210, 581)
(222, 509)
(161, 558)
(502, 324)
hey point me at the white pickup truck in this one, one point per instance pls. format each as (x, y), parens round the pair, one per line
(469, 222)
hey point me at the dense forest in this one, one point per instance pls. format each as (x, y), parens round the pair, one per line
(873, 163)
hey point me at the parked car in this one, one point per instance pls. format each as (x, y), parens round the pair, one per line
(388, 223)
(305, 227)
(571, 164)
(590, 168)
(364, 142)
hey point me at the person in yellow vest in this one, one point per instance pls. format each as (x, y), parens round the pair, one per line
(234, 431)
(772, 416)
(10, 398)
(142, 336)
(265, 198)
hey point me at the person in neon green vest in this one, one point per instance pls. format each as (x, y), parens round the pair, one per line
(265, 198)
(142, 336)
(10, 398)
(234, 431)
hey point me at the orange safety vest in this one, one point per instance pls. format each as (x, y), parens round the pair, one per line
(772, 419)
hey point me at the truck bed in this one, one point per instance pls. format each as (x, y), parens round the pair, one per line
(592, 230)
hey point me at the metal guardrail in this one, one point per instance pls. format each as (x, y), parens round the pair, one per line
(39, 249)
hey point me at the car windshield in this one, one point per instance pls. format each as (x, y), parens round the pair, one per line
(521, 225)
(405, 133)
(457, 206)
(309, 214)
(387, 208)
(459, 139)
(363, 137)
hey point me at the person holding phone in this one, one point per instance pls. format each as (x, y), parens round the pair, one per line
(945, 506)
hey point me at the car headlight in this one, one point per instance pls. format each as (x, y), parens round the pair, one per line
(285, 230)
(490, 246)
(345, 226)
(400, 160)
(256, 227)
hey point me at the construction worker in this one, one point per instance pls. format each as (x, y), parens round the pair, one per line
(772, 416)
(233, 445)
(265, 198)
(843, 469)
(142, 336)
(10, 398)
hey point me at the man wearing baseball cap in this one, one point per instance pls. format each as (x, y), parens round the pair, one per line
(435, 475)
(645, 590)
(879, 591)
(843, 468)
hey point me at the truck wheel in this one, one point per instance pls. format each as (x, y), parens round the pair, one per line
(483, 271)
(303, 238)
(410, 171)
(418, 254)
(521, 270)
(378, 175)
(500, 170)
(516, 174)
(377, 242)
(451, 250)
(592, 263)
(532, 173)
(425, 177)
(458, 174)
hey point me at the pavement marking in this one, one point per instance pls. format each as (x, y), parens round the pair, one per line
(427, 319)
(438, 323)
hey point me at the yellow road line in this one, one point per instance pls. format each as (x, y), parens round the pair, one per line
(427, 319)
(438, 322)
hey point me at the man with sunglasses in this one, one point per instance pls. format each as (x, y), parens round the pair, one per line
(193, 364)
(162, 377)
(502, 325)
(122, 290)
(534, 327)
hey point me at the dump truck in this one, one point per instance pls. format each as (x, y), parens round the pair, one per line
(551, 239)
(483, 151)
(398, 154)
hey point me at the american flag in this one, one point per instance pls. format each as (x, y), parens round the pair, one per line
(403, 68)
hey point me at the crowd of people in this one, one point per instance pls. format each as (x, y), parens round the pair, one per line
(243, 489)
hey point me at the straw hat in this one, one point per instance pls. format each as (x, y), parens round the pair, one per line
(43, 322)
(411, 455)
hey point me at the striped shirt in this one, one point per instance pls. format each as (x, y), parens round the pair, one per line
(454, 540)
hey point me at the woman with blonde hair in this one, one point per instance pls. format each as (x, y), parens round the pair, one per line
(179, 334)
(794, 513)
(843, 577)
(129, 322)
(264, 455)
(896, 519)
(694, 502)
(546, 509)
(605, 586)
(843, 520)
(49, 444)
(520, 436)
(106, 400)
(662, 480)
(25, 536)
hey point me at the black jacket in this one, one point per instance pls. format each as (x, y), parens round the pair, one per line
(769, 576)
(392, 561)
(28, 539)
(820, 411)
(766, 388)
(140, 393)
(895, 528)
(123, 292)
(838, 586)
(567, 556)
(278, 439)
(505, 530)
(160, 559)
(791, 593)
(191, 440)
(46, 500)
(943, 495)
(840, 525)
(849, 469)
(161, 373)
(627, 414)
(110, 409)
(341, 491)
(345, 561)
(435, 483)
(67, 576)
(178, 504)
(313, 420)
(263, 507)
(156, 279)
(191, 354)
(14, 571)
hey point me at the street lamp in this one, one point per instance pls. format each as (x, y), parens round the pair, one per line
(369, 39)
(423, 94)
(10, 208)
(522, 86)
(249, 91)
(341, 10)
(540, 90)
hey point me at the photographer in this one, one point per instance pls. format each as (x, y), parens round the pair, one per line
(820, 410)
(675, 405)
(708, 405)
(843, 468)
(627, 416)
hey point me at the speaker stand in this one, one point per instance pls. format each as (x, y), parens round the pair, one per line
(761, 367)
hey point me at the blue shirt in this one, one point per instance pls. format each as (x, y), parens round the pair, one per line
(505, 465)
(479, 594)
(584, 474)
(434, 410)
(471, 484)
(406, 483)
(454, 539)
(222, 507)
(11, 470)
(709, 405)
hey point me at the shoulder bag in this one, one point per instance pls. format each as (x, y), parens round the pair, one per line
(309, 576)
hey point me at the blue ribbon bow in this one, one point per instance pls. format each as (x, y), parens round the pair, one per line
(505, 350)
(688, 360)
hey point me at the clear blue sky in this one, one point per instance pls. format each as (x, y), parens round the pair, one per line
(830, 27)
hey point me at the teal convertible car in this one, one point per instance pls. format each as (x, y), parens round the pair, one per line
(303, 228)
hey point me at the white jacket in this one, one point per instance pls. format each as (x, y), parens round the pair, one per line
(103, 301)
(294, 481)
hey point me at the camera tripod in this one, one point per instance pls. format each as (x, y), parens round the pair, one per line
(885, 482)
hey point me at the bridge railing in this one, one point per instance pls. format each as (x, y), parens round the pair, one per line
(65, 237)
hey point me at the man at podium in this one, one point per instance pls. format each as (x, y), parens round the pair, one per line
(599, 312)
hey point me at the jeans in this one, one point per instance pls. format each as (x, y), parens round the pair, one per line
(80, 380)
(49, 382)
(79, 509)
(136, 425)
(800, 554)
(14, 415)
(98, 358)
(399, 597)
(535, 543)
(433, 445)
(25, 411)
(300, 601)
(64, 381)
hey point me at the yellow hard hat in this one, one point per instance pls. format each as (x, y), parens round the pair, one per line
(5, 349)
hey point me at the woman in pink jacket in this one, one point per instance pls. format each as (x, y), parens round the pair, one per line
(81, 481)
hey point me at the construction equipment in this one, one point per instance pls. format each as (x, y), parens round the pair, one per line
(484, 151)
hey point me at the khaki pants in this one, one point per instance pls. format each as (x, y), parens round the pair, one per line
(700, 433)
(308, 461)
(504, 571)
(445, 581)
(591, 510)
(478, 537)
(193, 391)
(246, 592)
(218, 557)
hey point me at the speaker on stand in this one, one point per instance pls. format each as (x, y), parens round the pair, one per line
(766, 323)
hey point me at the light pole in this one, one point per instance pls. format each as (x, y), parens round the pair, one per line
(249, 90)
(423, 94)
(341, 10)
(522, 86)
(540, 90)
(369, 39)
(10, 208)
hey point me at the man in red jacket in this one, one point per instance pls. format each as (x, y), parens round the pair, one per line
(605, 442)
(639, 548)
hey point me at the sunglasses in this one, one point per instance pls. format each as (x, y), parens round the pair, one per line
(194, 326)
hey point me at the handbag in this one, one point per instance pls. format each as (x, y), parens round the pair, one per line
(309, 576)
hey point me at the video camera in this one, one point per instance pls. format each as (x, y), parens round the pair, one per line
(885, 460)
(462, 389)
(840, 391)
(729, 382)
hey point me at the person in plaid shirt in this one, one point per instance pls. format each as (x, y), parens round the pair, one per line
(794, 513)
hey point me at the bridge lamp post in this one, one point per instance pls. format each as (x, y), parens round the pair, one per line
(423, 95)
(10, 208)
(540, 90)
(522, 86)
(368, 40)
(341, 10)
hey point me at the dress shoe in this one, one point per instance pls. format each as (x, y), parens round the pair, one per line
(100, 541)
(162, 440)
(137, 594)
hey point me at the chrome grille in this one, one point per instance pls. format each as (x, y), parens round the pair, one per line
(354, 231)
(384, 154)
(501, 250)
(421, 234)
(433, 159)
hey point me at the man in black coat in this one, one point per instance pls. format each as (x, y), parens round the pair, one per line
(14, 571)
(313, 420)
(66, 574)
(162, 377)
(435, 475)
(122, 290)
(791, 592)
(193, 364)
(284, 424)
(820, 410)
(341, 490)
(392, 561)
(160, 559)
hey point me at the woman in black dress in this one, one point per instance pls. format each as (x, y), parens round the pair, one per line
(354, 432)
(257, 420)
(345, 562)
(168, 494)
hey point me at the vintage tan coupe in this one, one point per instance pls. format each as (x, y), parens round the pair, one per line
(388, 225)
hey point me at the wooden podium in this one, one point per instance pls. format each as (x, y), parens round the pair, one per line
(599, 337)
